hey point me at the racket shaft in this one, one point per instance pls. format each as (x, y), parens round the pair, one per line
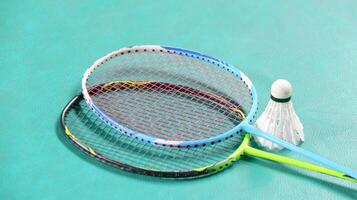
(296, 163)
(319, 159)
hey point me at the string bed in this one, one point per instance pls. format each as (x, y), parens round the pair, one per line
(167, 95)
(97, 137)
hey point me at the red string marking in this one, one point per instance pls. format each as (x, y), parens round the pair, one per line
(163, 127)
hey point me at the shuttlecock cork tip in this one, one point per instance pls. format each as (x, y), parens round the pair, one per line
(281, 91)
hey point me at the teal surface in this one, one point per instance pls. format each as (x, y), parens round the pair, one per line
(45, 46)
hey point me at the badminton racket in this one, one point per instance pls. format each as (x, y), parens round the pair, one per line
(94, 137)
(176, 98)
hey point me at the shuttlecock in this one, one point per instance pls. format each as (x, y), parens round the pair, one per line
(279, 117)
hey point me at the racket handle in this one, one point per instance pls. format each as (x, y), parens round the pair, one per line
(318, 159)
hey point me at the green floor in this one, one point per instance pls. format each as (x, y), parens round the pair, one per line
(45, 46)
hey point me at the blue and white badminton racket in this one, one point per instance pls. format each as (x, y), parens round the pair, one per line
(176, 98)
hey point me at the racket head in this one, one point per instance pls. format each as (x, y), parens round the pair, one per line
(174, 120)
(95, 138)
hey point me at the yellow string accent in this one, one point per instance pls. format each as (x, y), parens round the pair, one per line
(91, 151)
(70, 134)
(128, 83)
(239, 111)
(76, 139)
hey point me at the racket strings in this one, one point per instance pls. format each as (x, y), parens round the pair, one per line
(184, 94)
(105, 140)
(162, 126)
(165, 89)
(166, 112)
(169, 113)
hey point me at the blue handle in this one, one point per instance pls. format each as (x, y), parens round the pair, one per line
(321, 160)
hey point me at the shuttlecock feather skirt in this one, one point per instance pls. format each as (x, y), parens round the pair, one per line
(280, 120)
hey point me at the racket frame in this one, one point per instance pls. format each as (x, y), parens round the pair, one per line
(245, 125)
(243, 149)
(194, 173)
(182, 52)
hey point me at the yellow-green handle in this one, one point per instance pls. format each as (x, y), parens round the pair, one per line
(297, 163)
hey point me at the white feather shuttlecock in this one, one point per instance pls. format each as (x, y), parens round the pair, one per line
(279, 117)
